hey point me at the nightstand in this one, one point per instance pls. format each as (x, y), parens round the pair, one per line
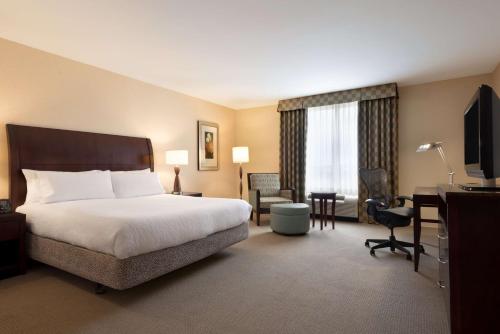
(12, 246)
(192, 194)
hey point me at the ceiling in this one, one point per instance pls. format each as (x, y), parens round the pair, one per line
(247, 53)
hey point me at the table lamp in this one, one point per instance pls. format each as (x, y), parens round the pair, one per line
(177, 158)
(438, 146)
(240, 156)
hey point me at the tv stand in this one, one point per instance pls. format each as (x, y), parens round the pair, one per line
(485, 185)
(469, 260)
(479, 187)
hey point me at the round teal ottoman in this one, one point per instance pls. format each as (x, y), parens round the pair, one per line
(290, 219)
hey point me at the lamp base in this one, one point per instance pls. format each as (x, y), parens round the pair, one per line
(177, 182)
(241, 182)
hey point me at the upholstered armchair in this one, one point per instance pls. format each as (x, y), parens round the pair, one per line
(264, 190)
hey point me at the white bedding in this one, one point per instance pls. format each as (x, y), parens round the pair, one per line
(127, 227)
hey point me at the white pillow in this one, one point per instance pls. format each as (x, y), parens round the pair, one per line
(146, 170)
(32, 188)
(136, 183)
(70, 186)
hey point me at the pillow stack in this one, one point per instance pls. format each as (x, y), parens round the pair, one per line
(53, 186)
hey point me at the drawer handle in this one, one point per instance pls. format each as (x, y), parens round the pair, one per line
(440, 283)
(441, 237)
(442, 261)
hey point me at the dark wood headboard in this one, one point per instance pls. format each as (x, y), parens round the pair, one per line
(65, 150)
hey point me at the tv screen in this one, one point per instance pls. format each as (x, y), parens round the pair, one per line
(471, 124)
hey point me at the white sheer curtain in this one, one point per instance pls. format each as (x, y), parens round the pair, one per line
(332, 149)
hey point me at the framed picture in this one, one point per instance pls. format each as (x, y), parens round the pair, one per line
(208, 146)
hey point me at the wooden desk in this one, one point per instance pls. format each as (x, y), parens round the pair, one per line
(422, 197)
(469, 261)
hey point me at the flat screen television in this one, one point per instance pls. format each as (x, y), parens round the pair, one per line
(482, 138)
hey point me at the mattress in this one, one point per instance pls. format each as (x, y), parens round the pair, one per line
(133, 226)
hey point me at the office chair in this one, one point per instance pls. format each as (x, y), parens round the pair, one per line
(380, 210)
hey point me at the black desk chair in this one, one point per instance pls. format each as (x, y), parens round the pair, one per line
(379, 209)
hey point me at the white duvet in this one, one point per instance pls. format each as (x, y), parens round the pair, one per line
(131, 226)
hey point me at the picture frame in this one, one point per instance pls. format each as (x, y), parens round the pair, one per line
(208, 146)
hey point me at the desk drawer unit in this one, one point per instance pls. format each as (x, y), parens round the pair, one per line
(469, 260)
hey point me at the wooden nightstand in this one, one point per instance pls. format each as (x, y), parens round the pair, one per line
(192, 194)
(12, 246)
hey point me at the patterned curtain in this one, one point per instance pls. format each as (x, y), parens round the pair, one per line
(293, 134)
(378, 144)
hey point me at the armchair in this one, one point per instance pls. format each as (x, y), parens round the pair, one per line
(264, 190)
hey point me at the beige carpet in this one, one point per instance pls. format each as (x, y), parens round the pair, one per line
(325, 282)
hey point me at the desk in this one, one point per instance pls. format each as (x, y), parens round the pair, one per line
(423, 197)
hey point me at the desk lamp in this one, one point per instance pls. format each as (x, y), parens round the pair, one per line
(438, 146)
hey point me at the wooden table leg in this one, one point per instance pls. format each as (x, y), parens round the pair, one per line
(321, 213)
(325, 214)
(416, 233)
(313, 200)
(333, 214)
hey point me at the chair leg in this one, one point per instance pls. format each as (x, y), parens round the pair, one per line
(385, 244)
(401, 248)
(406, 244)
(376, 240)
(251, 215)
(258, 218)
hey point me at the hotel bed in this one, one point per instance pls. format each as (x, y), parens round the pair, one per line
(115, 242)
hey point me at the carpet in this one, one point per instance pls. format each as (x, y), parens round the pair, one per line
(323, 282)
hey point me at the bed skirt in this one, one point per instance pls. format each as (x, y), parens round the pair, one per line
(121, 274)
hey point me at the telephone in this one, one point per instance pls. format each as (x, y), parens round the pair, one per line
(5, 206)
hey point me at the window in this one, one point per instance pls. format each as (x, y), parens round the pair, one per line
(332, 149)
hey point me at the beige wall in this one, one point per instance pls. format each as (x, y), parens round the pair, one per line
(40, 89)
(258, 128)
(37, 88)
(495, 80)
(433, 112)
(427, 112)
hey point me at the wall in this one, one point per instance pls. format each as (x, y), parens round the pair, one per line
(495, 81)
(427, 112)
(258, 128)
(41, 89)
(433, 112)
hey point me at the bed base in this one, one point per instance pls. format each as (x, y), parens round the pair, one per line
(120, 274)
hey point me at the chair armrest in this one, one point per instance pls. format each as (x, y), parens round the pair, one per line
(402, 199)
(374, 205)
(375, 202)
(254, 198)
(288, 193)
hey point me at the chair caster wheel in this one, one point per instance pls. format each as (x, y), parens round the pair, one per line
(372, 252)
(422, 250)
(408, 257)
(367, 244)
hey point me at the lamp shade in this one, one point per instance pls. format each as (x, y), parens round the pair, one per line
(176, 157)
(429, 146)
(240, 154)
